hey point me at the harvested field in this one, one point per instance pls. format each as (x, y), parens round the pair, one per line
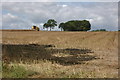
(16, 30)
(63, 54)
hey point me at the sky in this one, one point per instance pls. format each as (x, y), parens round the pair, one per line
(22, 15)
(60, 0)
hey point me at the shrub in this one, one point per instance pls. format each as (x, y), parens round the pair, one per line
(99, 30)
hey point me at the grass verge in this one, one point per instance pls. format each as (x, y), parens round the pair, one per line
(15, 71)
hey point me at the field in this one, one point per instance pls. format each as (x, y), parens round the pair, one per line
(52, 54)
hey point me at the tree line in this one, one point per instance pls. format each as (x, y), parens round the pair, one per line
(99, 30)
(73, 25)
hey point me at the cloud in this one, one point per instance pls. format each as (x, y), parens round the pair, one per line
(10, 21)
(27, 0)
(64, 5)
(100, 15)
(60, 0)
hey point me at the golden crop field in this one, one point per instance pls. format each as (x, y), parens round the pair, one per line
(52, 54)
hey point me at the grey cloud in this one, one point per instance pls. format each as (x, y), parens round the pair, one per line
(101, 15)
(60, 0)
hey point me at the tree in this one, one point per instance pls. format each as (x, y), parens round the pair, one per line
(76, 25)
(61, 25)
(50, 23)
(46, 26)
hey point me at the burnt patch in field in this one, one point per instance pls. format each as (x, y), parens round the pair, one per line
(44, 46)
(34, 52)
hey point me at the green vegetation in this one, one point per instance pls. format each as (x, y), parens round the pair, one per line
(73, 25)
(50, 23)
(76, 25)
(0, 69)
(15, 71)
(61, 25)
(99, 30)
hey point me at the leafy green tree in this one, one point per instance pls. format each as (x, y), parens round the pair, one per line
(76, 25)
(61, 25)
(46, 25)
(50, 23)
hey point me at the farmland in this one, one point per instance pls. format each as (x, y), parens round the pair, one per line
(52, 54)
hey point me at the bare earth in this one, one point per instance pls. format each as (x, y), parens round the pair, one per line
(73, 54)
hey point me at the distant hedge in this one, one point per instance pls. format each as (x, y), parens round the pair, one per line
(100, 30)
